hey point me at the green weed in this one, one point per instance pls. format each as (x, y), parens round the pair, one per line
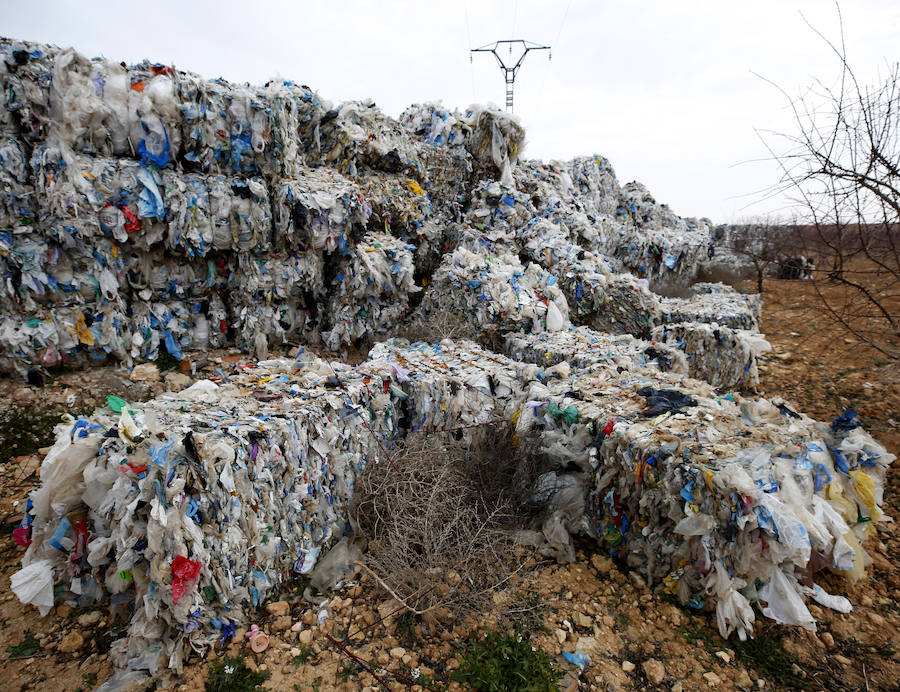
(304, 655)
(231, 675)
(493, 662)
(29, 646)
(771, 660)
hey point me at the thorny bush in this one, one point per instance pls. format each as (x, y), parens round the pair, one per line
(440, 514)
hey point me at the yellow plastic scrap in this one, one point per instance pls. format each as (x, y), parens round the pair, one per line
(834, 493)
(860, 562)
(415, 187)
(128, 428)
(865, 491)
(81, 329)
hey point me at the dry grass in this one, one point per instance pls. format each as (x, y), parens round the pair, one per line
(439, 517)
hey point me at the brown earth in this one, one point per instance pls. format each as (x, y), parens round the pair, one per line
(637, 639)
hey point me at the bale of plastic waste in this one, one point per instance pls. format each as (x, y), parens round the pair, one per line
(371, 290)
(497, 139)
(726, 358)
(712, 496)
(18, 203)
(356, 136)
(194, 507)
(727, 308)
(582, 347)
(482, 296)
(451, 385)
(320, 210)
(26, 75)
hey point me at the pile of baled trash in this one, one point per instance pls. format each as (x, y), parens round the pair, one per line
(148, 211)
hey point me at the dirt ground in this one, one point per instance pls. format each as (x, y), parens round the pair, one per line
(637, 639)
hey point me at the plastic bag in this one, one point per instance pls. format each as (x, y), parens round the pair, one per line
(34, 584)
(337, 564)
(784, 602)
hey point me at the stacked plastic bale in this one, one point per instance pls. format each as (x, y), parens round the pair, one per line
(318, 217)
(405, 207)
(242, 129)
(713, 303)
(582, 347)
(482, 296)
(717, 328)
(217, 213)
(195, 507)
(176, 303)
(65, 267)
(356, 136)
(17, 199)
(446, 162)
(498, 210)
(653, 242)
(726, 358)
(723, 500)
(26, 74)
(451, 385)
(371, 292)
(615, 303)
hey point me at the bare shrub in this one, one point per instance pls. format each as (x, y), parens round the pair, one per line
(439, 517)
(841, 166)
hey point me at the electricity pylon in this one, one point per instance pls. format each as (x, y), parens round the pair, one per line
(509, 73)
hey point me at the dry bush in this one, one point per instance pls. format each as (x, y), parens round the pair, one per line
(433, 327)
(439, 517)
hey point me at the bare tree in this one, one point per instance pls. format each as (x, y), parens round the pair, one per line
(842, 166)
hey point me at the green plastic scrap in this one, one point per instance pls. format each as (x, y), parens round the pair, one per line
(115, 403)
(568, 414)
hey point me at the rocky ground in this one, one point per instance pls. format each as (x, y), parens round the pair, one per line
(637, 639)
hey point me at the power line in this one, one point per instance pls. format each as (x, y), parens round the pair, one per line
(556, 41)
(469, 43)
(562, 23)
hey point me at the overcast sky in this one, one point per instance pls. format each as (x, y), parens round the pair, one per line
(665, 90)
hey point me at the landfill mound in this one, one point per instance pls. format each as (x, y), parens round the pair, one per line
(147, 211)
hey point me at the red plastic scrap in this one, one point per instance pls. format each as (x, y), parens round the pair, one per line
(132, 222)
(22, 536)
(185, 575)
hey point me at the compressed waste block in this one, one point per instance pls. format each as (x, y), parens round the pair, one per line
(492, 136)
(82, 197)
(726, 358)
(220, 213)
(18, 203)
(193, 508)
(320, 210)
(713, 303)
(483, 296)
(655, 243)
(448, 385)
(357, 135)
(371, 291)
(582, 347)
(723, 500)
(26, 74)
(230, 128)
